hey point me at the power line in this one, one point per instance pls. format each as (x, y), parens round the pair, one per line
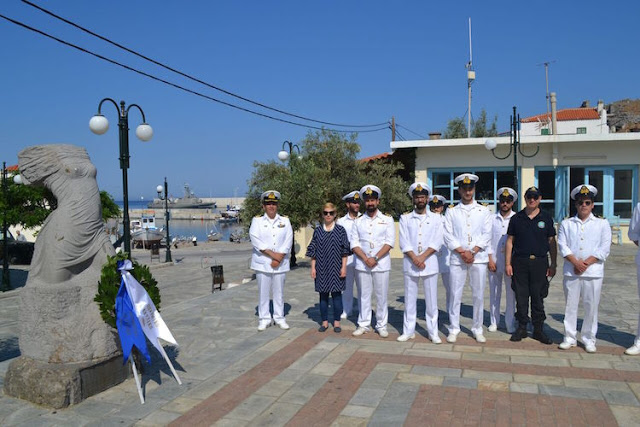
(399, 135)
(409, 130)
(177, 86)
(189, 76)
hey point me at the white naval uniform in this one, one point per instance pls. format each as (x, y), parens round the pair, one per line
(417, 234)
(370, 235)
(347, 296)
(467, 226)
(634, 236)
(582, 240)
(499, 226)
(443, 266)
(274, 234)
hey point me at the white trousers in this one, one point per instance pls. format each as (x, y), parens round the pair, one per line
(590, 288)
(347, 295)
(270, 283)
(477, 278)
(368, 283)
(495, 295)
(430, 285)
(638, 334)
(446, 283)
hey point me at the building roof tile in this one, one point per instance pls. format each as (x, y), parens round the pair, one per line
(566, 114)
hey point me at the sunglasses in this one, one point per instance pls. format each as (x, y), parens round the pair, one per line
(270, 203)
(332, 213)
(584, 202)
(532, 196)
(505, 201)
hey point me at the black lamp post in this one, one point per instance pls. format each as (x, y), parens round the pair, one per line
(514, 147)
(284, 155)
(166, 214)
(99, 125)
(6, 276)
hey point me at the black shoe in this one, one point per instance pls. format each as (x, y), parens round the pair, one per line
(519, 334)
(538, 334)
(322, 328)
(337, 329)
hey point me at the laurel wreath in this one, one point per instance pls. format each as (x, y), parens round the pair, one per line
(109, 285)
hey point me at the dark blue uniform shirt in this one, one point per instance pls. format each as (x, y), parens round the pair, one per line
(531, 236)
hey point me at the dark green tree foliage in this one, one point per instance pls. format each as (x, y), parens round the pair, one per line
(109, 285)
(457, 128)
(109, 207)
(327, 169)
(26, 205)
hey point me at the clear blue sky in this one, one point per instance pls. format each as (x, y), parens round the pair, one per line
(354, 62)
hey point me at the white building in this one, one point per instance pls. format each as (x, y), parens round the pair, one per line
(570, 121)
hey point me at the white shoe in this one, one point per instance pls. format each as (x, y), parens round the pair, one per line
(343, 315)
(283, 325)
(566, 345)
(405, 337)
(492, 327)
(634, 350)
(263, 326)
(591, 348)
(383, 332)
(359, 331)
(436, 339)
(452, 337)
(480, 338)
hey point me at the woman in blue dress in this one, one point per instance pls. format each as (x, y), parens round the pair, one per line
(328, 250)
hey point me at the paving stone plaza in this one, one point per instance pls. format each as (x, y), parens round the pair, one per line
(234, 375)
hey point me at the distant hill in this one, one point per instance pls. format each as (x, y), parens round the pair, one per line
(624, 115)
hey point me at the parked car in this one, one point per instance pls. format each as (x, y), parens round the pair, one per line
(19, 252)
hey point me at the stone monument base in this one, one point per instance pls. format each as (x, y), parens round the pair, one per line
(60, 385)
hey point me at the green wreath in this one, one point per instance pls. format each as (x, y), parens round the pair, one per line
(109, 285)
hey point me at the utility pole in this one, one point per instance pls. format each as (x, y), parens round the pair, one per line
(471, 76)
(546, 79)
(393, 128)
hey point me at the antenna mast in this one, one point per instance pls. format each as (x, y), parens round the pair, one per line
(546, 78)
(471, 76)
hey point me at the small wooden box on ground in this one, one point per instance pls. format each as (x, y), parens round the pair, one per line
(218, 277)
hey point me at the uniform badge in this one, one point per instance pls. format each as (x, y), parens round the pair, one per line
(584, 190)
(281, 225)
(540, 224)
(466, 180)
(506, 193)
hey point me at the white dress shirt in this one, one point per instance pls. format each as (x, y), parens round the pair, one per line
(582, 240)
(347, 222)
(634, 225)
(499, 226)
(370, 234)
(275, 234)
(417, 234)
(468, 226)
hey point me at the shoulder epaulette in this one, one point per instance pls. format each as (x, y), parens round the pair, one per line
(258, 216)
(452, 205)
(485, 204)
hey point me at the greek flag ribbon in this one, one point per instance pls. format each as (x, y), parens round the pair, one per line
(145, 311)
(129, 329)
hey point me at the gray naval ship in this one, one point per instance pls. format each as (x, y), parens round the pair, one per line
(189, 201)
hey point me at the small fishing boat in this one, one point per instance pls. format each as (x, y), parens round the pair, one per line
(144, 230)
(214, 234)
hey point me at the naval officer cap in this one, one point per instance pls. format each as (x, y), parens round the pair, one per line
(270, 196)
(419, 188)
(370, 191)
(507, 192)
(353, 197)
(584, 191)
(466, 179)
(437, 200)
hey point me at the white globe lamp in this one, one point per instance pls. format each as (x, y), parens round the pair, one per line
(99, 124)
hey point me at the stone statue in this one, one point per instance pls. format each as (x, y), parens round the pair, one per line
(60, 322)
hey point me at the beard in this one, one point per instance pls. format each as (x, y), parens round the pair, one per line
(421, 206)
(371, 208)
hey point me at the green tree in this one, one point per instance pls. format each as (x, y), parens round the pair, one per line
(109, 207)
(456, 128)
(479, 126)
(327, 169)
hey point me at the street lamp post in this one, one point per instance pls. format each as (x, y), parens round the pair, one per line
(99, 125)
(6, 276)
(514, 147)
(166, 215)
(284, 155)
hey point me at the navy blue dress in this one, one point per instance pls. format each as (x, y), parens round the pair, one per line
(328, 248)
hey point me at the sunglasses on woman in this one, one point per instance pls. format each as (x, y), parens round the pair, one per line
(332, 213)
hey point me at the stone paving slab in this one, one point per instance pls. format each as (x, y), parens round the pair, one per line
(235, 375)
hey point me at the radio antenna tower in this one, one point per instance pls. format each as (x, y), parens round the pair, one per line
(471, 76)
(546, 77)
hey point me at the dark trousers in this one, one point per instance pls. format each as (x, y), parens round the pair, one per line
(324, 305)
(530, 283)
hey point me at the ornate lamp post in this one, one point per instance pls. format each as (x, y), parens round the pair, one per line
(514, 147)
(166, 214)
(284, 155)
(99, 125)
(6, 276)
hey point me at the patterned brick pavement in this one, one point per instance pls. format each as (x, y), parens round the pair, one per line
(416, 383)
